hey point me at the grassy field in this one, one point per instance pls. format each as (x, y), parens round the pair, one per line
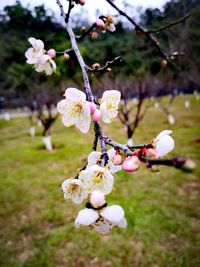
(162, 209)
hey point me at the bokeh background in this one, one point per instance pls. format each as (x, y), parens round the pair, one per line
(162, 206)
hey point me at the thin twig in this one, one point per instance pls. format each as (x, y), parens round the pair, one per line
(168, 26)
(69, 11)
(60, 53)
(146, 33)
(106, 66)
(86, 32)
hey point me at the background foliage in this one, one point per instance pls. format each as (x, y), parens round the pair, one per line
(18, 81)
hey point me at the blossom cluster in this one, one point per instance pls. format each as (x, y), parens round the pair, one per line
(95, 181)
(106, 23)
(76, 110)
(39, 58)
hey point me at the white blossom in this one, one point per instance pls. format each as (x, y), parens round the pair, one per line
(75, 110)
(34, 53)
(45, 64)
(102, 220)
(97, 178)
(74, 191)
(94, 159)
(36, 56)
(109, 105)
(111, 27)
(164, 143)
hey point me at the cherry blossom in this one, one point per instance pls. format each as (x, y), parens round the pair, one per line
(164, 143)
(109, 105)
(102, 220)
(75, 110)
(36, 56)
(74, 191)
(34, 53)
(97, 178)
(45, 64)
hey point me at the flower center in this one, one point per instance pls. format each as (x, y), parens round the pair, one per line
(98, 176)
(78, 109)
(73, 188)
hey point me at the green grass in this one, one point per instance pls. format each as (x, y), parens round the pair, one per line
(162, 208)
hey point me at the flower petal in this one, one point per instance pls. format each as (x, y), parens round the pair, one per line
(65, 108)
(103, 227)
(36, 43)
(109, 105)
(84, 119)
(163, 133)
(93, 158)
(114, 213)
(62, 106)
(74, 94)
(122, 223)
(164, 145)
(114, 168)
(86, 217)
(111, 94)
(111, 153)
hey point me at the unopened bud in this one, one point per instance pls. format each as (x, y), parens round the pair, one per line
(189, 165)
(108, 69)
(151, 153)
(51, 52)
(66, 56)
(83, 29)
(164, 63)
(92, 107)
(96, 66)
(117, 160)
(97, 199)
(82, 2)
(94, 35)
(131, 164)
(96, 116)
(100, 23)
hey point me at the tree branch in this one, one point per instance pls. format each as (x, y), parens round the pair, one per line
(106, 66)
(148, 34)
(86, 32)
(168, 26)
(90, 97)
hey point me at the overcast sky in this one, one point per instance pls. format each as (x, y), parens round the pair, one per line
(91, 5)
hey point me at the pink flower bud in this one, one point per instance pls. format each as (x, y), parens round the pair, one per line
(131, 164)
(82, 2)
(151, 153)
(100, 23)
(51, 52)
(66, 56)
(96, 116)
(117, 160)
(94, 35)
(92, 107)
(97, 199)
